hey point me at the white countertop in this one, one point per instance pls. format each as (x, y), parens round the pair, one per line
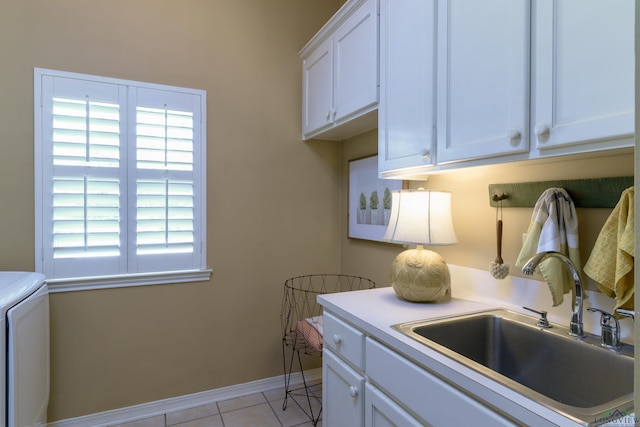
(374, 311)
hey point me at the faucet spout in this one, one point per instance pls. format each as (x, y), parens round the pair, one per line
(576, 327)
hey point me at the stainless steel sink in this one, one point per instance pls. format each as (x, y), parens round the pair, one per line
(577, 378)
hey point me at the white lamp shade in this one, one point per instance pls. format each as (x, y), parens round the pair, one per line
(421, 217)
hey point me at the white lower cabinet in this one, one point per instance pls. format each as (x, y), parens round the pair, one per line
(342, 393)
(343, 362)
(431, 399)
(380, 411)
(368, 384)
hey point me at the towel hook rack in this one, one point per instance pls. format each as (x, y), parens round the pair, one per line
(585, 193)
(497, 198)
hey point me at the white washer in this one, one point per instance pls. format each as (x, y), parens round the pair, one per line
(24, 336)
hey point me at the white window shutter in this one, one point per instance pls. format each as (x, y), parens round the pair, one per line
(119, 176)
(80, 205)
(166, 183)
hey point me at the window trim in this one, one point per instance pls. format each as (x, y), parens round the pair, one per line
(127, 280)
(200, 273)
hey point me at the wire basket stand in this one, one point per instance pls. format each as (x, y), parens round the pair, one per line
(301, 321)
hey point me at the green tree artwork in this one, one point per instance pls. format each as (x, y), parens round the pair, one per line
(386, 199)
(363, 201)
(374, 199)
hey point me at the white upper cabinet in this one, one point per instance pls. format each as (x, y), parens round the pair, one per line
(355, 84)
(406, 125)
(483, 78)
(583, 65)
(469, 82)
(340, 74)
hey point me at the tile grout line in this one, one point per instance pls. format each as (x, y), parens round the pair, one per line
(220, 413)
(272, 410)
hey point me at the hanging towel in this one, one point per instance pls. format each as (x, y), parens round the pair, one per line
(611, 261)
(554, 227)
(311, 330)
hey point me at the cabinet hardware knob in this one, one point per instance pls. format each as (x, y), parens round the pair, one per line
(337, 339)
(328, 115)
(425, 154)
(353, 391)
(541, 129)
(513, 134)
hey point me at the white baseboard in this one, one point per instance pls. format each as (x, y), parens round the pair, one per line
(159, 407)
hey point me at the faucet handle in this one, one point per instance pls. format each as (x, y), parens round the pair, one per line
(626, 313)
(610, 337)
(542, 322)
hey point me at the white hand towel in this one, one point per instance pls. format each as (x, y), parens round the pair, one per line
(554, 227)
(317, 323)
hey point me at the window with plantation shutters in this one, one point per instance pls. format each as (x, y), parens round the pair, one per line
(119, 180)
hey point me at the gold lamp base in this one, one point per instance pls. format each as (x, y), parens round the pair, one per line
(420, 275)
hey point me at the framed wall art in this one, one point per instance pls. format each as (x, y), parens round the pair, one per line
(369, 199)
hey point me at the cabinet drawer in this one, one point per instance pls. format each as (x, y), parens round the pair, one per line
(424, 394)
(344, 340)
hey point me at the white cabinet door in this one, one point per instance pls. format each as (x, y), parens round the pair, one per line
(583, 70)
(340, 74)
(356, 62)
(380, 411)
(342, 393)
(483, 78)
(317, 84)
(406, 114)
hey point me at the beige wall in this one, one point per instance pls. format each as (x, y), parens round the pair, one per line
(272, 205)
(273, 208)
(473, 217)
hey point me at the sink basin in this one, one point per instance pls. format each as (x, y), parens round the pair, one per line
(577, 378)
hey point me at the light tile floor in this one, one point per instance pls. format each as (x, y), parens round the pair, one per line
(255, 410)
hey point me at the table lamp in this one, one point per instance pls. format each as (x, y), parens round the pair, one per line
(420, 217)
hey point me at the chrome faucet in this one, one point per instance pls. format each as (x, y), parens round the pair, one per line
(576, 326)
